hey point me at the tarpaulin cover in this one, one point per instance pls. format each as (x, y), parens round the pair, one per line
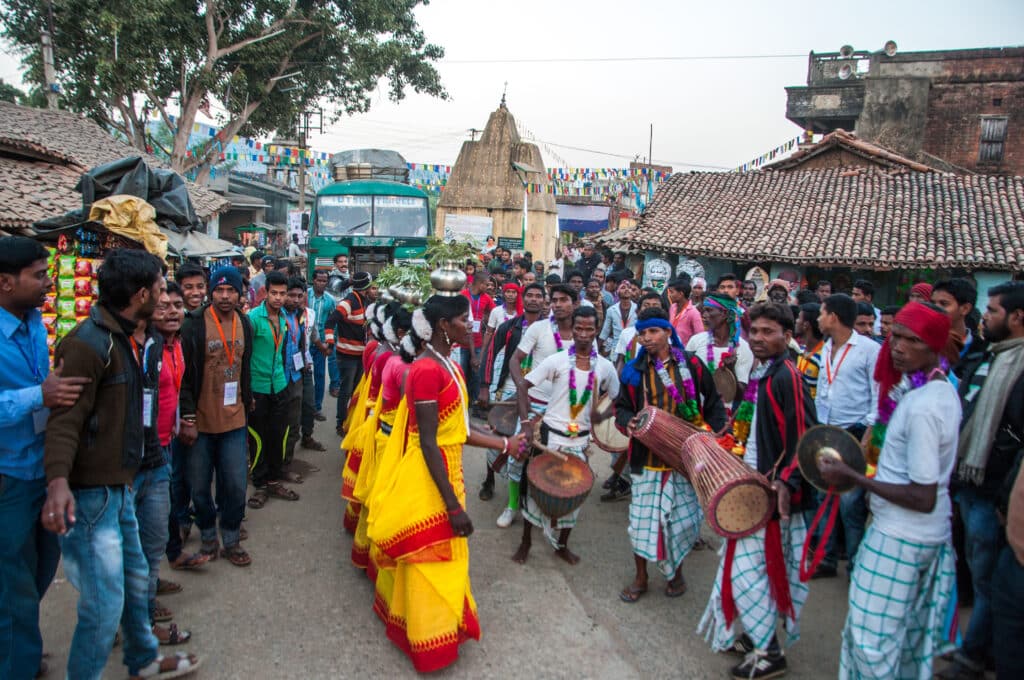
(165, 190)
(131, 217)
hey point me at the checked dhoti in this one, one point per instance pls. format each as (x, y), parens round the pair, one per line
(756, 610)
(902, 609)
(664, 518)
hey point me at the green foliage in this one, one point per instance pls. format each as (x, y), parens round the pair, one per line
(119, 60)
(411, 278)
(9, 93)
(439, 250)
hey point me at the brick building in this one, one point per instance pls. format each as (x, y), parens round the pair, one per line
(954, 110)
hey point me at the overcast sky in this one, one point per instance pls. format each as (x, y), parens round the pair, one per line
(714, 112)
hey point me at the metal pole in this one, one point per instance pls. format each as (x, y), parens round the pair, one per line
(49, 73)
(302, 162)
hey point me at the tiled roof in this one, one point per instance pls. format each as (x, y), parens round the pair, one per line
(42, 154)
(854, 144)
(839, 217)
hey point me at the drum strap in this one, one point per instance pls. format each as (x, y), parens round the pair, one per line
(807, 569)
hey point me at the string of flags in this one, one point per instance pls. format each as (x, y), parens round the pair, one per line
(768, 156)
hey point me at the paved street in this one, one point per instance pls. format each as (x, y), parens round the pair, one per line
(302, 611)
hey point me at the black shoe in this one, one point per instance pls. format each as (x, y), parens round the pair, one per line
(319, 417)
(760, 665)
(487, 491)
(610, 481)
(824, 571)
(622, 491)
(742, 646)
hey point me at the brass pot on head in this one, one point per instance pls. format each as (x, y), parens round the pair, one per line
(448, 280)
(405, 295)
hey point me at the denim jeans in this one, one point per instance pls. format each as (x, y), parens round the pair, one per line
(853, 513)
(308, 408)
(350, 370)
(180, 515)
(225, 455)
(984, 538)
(319, 376)
(472, 377)
(152, 508)
(103, 560)
(1008, 615)
(28, 560)
(333, 377)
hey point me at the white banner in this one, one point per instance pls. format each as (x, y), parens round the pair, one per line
(468, 228)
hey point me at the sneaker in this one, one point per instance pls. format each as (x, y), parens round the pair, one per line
(758, 664)
(741, 646)
(487, 491)
(622, 491)
(507, 516)
(312, 444)
(319, 417)
(610, 482)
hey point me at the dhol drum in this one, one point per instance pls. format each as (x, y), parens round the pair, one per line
(504, 419)
(736, 500)
(558, 483)
(605, 434)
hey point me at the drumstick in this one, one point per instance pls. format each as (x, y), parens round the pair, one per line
(544, 449)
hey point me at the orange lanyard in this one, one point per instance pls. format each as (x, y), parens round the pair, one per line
(679, 314)
(135, 351)
(176, 359)
(229, 350)
(276, 332)
(828, 364)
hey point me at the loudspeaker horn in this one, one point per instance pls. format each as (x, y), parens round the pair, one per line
(846, 51)
(845, 72)
(890, 48)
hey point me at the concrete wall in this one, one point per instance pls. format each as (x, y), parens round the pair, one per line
(541, 233)
(895, 113)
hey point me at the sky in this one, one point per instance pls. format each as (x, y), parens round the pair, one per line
(586, 95)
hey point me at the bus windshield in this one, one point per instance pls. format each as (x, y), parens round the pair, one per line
(365, 215)
(343, 215)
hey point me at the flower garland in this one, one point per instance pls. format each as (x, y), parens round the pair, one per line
(745, 412)
(887, 405)
(710, 352)
(555, 334)
(686, 405)
(527, 361)
(576, 403)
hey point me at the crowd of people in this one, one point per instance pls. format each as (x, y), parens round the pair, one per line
(151, 421)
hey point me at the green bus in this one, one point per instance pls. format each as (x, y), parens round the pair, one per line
(374, 222)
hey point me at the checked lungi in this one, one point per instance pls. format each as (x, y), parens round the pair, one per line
(664, 518)
(902, 609)
(513, 468)
(533, 514)
(756, 610)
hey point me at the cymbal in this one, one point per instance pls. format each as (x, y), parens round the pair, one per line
(504, 419)
(828, 441)
(725, 383)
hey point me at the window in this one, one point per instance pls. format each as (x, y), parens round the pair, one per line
(993, 139)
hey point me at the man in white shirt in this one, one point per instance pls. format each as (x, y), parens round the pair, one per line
(902, 603)
(577, 378)
(618, 317)
(847, 397)
(628, 344)
(721, 346)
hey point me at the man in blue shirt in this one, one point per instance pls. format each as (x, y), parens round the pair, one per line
(322, 304)
(28, 554)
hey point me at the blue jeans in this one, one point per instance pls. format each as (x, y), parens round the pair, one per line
(350, 370)
(853, 513)
(181, 500)
(152, 508)
(982, 543)
(319, 376)
(332, 371)
(103, 560)
(227, 455)
(1008, 615)
(28, 560)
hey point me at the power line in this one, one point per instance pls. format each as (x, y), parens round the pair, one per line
(584, 60)
(633, 157)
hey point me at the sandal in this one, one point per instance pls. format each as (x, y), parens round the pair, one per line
(676, 590)
(293, 477)
(172, 635)
(276, 490)
(258, 499)
(631, 594)
(243, 534)
(161, 614)
(209, 550)
(167, 587)
(168, 667)
(189, 562)
(236, 555)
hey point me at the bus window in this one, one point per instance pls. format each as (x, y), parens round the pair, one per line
(343, 216)
(400, 216)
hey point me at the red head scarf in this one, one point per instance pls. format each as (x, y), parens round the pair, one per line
(931, 325)
(922, 289)
(519, 296)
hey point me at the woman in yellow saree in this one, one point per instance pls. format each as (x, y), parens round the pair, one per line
(417, 518)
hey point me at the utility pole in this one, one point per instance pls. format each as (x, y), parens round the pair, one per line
(49, 72)
(304, 128)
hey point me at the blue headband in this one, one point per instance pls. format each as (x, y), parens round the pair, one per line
(630, 375)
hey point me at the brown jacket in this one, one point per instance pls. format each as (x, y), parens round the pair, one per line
(99, 441)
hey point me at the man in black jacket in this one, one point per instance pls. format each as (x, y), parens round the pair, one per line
(216, 395)
(664, 514)
(506, 340)
(746, 587)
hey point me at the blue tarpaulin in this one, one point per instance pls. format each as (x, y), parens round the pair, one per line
(580, 219)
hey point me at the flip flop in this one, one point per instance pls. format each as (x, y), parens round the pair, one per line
(189, 563)
(167, 587)
(671, 591)
(631, 594)
(175, 636)
(283, 492)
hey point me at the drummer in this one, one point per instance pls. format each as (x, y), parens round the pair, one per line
(746, 591)
(664, 514)
(578, 378)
